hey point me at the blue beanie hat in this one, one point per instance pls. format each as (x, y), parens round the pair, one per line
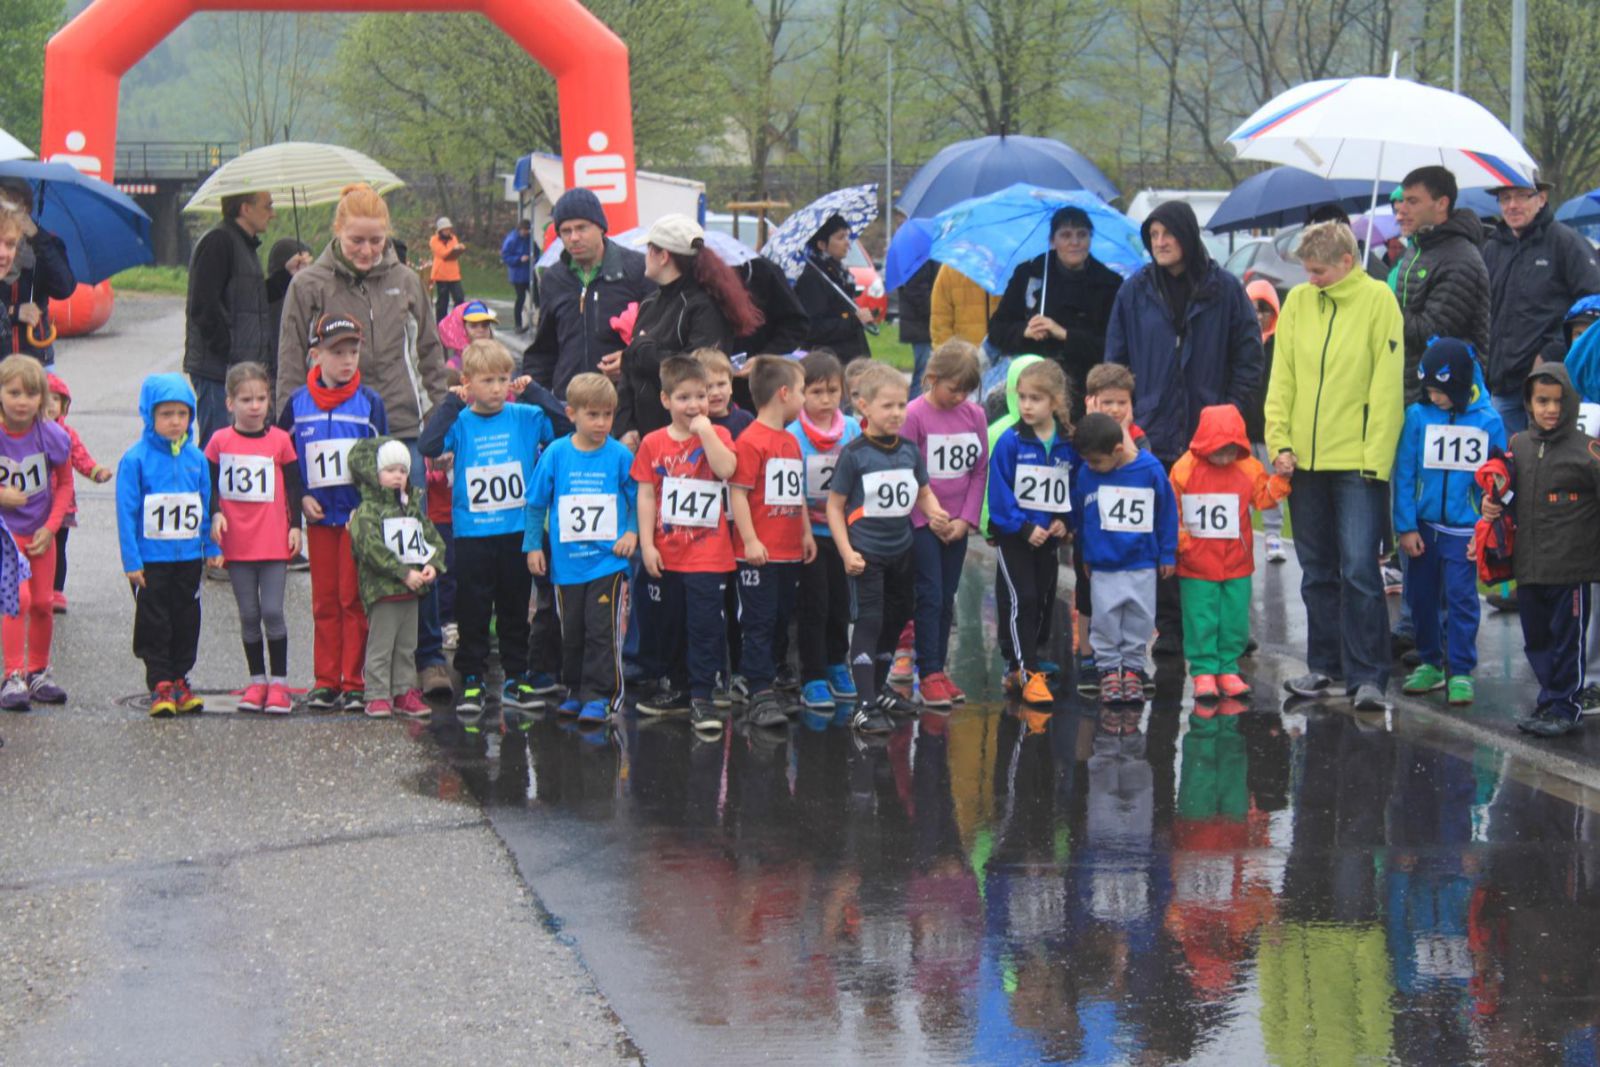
(579, 203)
(1447, 365)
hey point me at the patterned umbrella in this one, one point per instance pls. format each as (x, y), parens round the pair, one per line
(857, 205)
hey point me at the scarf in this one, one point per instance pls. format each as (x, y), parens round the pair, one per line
(327, 398)
(339, 258)
(822, 440)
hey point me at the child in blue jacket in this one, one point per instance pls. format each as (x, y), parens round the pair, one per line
(163, 498)
(1031, 468)
(1447, 436)
(1126, 521)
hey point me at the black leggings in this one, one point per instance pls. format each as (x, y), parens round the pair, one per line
(824, 612)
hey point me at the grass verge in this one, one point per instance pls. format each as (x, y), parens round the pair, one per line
(165, 281)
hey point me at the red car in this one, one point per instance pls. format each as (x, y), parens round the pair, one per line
(869, 285)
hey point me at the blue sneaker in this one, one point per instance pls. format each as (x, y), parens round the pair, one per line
(841, 684)
(541, 683)
(1049, 666)
(594, 712)
(842, 713)
(817, 696)
(570, 707)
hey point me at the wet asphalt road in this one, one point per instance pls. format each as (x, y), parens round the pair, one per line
(1001, 885)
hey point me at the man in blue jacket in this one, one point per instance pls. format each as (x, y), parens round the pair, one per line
(516, 252)
(1186, 329)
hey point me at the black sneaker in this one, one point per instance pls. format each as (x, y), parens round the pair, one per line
(1400, 644)
(470, 702)
(704, 716)
(322, 698)
(353, 701)
(665, 701)
(869, 720)
(1548, 724)
(788, 679)
(896, 706)
(1589, 699)
(768, 710)
(520, 693)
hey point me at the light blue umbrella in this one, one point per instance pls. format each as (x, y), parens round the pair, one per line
(857, 205)
(907, 252)
(989, 237)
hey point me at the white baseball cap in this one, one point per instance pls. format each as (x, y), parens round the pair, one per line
(677, 233)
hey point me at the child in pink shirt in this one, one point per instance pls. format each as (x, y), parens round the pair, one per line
(57, 404)
(255, 493)
(953, 435)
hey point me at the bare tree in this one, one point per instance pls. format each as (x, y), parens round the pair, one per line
(767, 72)
(269, 70)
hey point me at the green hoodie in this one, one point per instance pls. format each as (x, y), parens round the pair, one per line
(375, 533)
(1006, 421)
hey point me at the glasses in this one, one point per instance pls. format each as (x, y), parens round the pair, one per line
(1516, 196)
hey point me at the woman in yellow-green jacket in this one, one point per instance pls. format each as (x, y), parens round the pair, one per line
(1335, 406)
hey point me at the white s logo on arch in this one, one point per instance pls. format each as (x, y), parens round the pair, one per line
(603, 173)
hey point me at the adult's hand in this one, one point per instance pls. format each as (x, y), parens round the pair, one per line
(1285, 464)
(611, 365)
(297, 262)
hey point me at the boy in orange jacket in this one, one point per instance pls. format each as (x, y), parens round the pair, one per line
(1216, 483)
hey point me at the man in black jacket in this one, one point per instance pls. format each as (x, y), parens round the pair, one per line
(229, 307)
(593, 282)
(916, 308)
(40, 274)
(1442, 284)
(1537, 269)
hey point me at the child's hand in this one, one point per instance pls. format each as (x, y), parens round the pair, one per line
(311, 509)
(12, 498)
(1472, 550)
(536, 563)
(1491, 509)
(219, 526)
(101, 475)
(415, 581)
(941, 530)
(625, 545)
(755, 553)
(854, 563)
(652, 560)
(1411, 543)
(1166, 570)
(808, 547)
(520, 383)
(701, 425)
(1039, 536)
(294, 541)
(937, 516)
(1058, 529)
(429, 575)
(215, 563)
(135, 578)
(461, 391)
(40, 544)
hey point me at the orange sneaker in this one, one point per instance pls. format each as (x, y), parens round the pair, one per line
(1233, 686)
(1037, 690)
(1205, 687)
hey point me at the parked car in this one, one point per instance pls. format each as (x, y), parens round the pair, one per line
(869, 284)
(1271, 258)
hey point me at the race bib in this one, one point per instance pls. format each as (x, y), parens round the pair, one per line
(819, 476)
(1041, 488)
(29, 475)
(785, 483)
(328, 463)
(494, 487)
(888, 494)
(403, 537)
(247, 478)
(691, 502)
(587, 517)
(952, 455)
(1211, 516)
(1124, 509)
(172, 516)
(1589, 419)
(1454, 448)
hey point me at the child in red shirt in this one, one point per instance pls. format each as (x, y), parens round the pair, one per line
(683, 539)
(255, 494)
(771, 536)
(57, 403)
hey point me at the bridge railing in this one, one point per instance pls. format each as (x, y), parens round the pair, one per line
(171, 159)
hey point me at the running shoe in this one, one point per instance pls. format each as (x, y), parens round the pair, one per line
(704, 716)
(594, 713)
(936, 691)
(43, 689)
(353, 701)
(162, 706)
(379, 709)
(817, 696)
(279, 701)
(188, 702)
(1233, 686)
(254, 697)
(322, 698)
(841, 683)
(471, 700)
(1275, 552)
(411, 705)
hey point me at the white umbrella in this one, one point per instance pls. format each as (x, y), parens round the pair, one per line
(11, 148)
(1382, 129)
(306, 172)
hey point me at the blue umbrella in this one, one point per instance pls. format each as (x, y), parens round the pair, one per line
(1283, 196)
(989, 164)
(1480, 202)
(857, 205)
(1580, 210)
(103, 229)
(989, 237)
(907, 252)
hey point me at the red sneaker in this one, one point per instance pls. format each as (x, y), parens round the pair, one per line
(1111, 687)
(188, 703)
(955, 692)
(411, 705)
(1233, 686)
(279, 702)
(254, 697)
(936, 691)
(1205, 687)
(58, 603)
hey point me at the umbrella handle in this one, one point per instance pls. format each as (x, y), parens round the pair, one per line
(41, 342)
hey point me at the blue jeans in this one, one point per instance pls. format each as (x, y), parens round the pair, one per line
(938, 568)
(1338, 525)
(920, 353)
(1444, 562)
(210, 409)
(1513, 412)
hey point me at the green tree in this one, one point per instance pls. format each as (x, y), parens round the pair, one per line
(28, 25)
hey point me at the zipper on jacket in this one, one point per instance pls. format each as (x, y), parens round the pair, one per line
(1444, 495)
(1322, 372)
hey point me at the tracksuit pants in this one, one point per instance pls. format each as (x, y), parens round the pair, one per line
(766, 599)
(1444, 562)
(883, 607)
(1555, 624)
(1124, 618)
(824, 602)
(593, 618)
(392, 647)
(938, 574)
(1025, 589)
(339, 649)
(492, 581)
(545, 655)
(166, 620)
(681, 631)
(1216, 624)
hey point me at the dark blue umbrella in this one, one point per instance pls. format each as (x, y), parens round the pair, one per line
(1481, 202)
(1580, 210)
(1284, 196)
(103, 229)
(989, 164)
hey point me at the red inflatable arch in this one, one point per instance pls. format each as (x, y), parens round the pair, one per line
(85, 62)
